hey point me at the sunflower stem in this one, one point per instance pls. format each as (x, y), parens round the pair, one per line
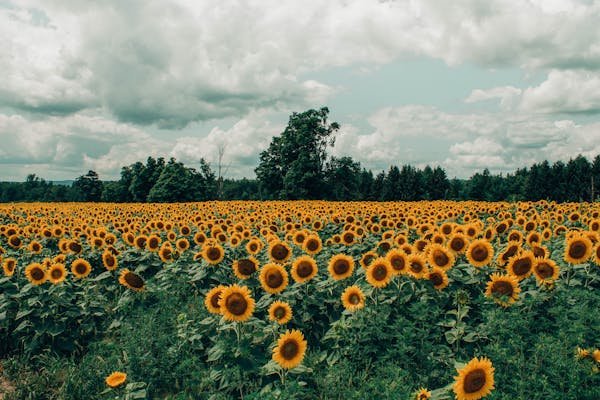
(569, 270)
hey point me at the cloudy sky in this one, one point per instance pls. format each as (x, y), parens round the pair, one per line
(466, 84)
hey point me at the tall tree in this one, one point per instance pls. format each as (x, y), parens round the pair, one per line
(88, 187)
(342, 177)
(293, 167)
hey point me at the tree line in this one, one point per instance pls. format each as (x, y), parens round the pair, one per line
(296, 165)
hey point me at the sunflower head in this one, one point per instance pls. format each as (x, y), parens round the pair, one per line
(36, 273)
(545, 270)
(578, 249)
(480, 252)
(441, 257)
(131, 280)
(281, 312)
(9, 265)
(379, 273)
(521, 265)
(273, 278)
(290, 349)
(417, 265)
(57, 273)
(312, 244)
(353, 298)
(475, 380)
(438, 277)
(504, 289)
(80, 268)
(245, 267)
(367, 258)
(236, 303)
(340, 266)
(212, 299)
(279, 251)
(304, 268)
(398, 261)
(109, 260)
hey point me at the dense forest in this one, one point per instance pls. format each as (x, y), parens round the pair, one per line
(296, 165)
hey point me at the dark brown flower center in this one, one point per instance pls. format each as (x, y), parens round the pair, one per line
(474, 381)
(290, 349)
(577, 249)
(312, 245)
(398, 263)
(236, 304)
(354, 299)
(348, 237)
(279, 312)
(37, 274)
(304, 269)
(511, 251)
(10, 265)
(213, 253)
(379, 272)
(80, 268)
(56, 273)
(279, 252)
(440, 258)
(457, 244)
(110, 260)
(246, 267)
(368, 259)
(522, 266)
(341, 267)
(75, 247)
(416, 267)
(153, 243)
(134, 280)
(274, 279)
(479, 253)
(214, 300)
(544, 270)
(502, 287)
(436, 278)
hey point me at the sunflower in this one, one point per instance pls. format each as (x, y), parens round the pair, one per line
(348, 238)
(290, 349)
(212, 299)
(153, 243)
(475, 380)
(254, 245)
(545, 270)
(397, 260)
(182, 244)
(521, 265)
(417, 265)
(480, 253)
(15, 241)
(511, 249)
(340, 266)
(441, 257)
(80, 268)
(57, 273)
(280, 311)
(367, 258)
(34, 247)
(304, 268)
(236, 303)
(458, 243)
(504, 289)
(9, 265)
(379, 273)
(116, 379)
(438, 277)
(166, 252)
(74, 247)
(245, 267)
(109, 260)
(312, 245)
(213, 253)
(273, 278)
(140, 241)
(36, 273)
(132, 280)
(199, 238)
(578, 249)
(423, 394)
(279, 251)
(353, 298)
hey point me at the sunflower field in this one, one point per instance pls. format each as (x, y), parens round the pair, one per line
(300, 300)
